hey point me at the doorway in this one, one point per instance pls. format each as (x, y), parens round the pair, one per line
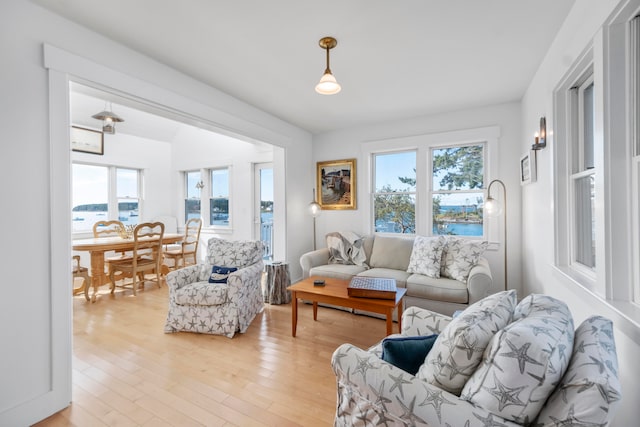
(264, 207)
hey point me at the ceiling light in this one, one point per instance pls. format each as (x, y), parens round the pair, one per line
(328, 84)
(109, 120)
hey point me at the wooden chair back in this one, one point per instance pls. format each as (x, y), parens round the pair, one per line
(108, 228)
(191, 236)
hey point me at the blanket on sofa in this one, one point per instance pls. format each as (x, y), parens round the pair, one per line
(346, 247)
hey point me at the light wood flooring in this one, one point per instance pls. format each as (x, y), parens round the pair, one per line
(127, 372)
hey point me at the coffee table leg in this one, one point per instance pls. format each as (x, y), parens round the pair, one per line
(294, 313)
(390, 321)
(400, 316)
(315, 310)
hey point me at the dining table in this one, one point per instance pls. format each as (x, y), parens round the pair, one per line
(97, 246)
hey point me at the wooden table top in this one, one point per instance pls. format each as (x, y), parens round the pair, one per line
(116, 242)
(337, 288)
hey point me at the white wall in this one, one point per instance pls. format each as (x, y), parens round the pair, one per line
(539, 274)
(349, 144)
(35, 310)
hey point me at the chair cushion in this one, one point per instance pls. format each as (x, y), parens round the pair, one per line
(220, 274)
(426, 256)
(590, 389)
(524, 361)
(407, 353)
(459, 348)
(202, 293)
(459, 256)
(391, 252)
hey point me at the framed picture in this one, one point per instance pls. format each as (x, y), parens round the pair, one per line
(87, 140)
(528, 168)
(336, 183)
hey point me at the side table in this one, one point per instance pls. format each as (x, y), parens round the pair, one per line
(277, 281)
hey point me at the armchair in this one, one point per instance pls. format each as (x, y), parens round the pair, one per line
(196, 305)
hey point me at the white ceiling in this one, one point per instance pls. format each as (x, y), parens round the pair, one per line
(394, 59)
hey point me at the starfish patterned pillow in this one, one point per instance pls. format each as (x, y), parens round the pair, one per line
(426, 256)
(459, 348)
(459, 257)
(524, 361)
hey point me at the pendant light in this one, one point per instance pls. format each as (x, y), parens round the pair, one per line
(328, 84)
(109, 119)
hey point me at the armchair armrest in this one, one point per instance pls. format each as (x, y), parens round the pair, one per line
(313, 259)
(176, 279)
(479, 280)
(375, 392)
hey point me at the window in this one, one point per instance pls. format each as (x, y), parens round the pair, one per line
(193, 186)
(394, 196)
(219, 202)
(583, 176)
(457, 192)
(103, 193)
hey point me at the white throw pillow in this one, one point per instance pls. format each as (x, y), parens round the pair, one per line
(459, 348)
(459, 256)
(426, 256)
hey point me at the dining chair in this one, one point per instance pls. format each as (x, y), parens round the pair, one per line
(111, 228)
(188, 247)
(82, 273)
(146, 256)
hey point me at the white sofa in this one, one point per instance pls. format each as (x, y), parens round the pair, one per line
(496, 364)
(388, 257)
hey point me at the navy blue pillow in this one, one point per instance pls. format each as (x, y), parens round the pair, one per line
(220, 274)
(407, 353)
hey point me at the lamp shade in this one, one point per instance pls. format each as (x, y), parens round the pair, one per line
(492, 207)
(328, 85)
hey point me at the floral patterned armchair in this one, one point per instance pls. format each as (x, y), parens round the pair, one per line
(535, 371)
(197, 305)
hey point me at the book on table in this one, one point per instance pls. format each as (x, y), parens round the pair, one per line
(372, 287)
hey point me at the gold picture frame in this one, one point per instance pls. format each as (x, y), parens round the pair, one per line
(87, 140)
(336, 184)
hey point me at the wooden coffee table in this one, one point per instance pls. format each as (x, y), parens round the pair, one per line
(335, 292)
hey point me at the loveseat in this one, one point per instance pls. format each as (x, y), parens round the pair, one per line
(348, 255)
(495, 364)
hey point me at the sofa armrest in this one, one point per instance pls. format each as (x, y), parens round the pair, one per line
(418, 321)
(374, 392)
(479, 281)
(313, 259)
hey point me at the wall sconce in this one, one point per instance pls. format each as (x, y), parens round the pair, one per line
(109, 119)
(328, 84)
(200, 185)
(540, 137)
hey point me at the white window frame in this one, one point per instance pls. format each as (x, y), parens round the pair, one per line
(112, 191)
(205, 197)
(423, 144)
(211, 196)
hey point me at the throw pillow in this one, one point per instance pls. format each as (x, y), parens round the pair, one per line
(220, 274)
(426, 255)
(458, 350)
(461, 255)
(407, 353)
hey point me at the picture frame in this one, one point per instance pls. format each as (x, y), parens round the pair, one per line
(528, 168)
(86, 140)
(336, 184)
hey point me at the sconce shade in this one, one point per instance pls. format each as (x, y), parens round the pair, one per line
(492, 207)
(109, 120)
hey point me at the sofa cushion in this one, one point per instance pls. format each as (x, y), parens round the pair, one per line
(442, 289)
(202, 293)
(459, 348)
(407, 353)
(399, 276)
(459, 256)
(391, 252)
(426, 256)
(337, 271)
(590, 389)
(524, 361)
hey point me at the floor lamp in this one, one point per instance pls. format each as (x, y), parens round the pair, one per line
(493, 208)
(314, 209)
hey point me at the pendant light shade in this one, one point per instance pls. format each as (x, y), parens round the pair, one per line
(109, 120)
(328, 84)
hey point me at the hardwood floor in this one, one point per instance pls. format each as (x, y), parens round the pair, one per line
(127, 372)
